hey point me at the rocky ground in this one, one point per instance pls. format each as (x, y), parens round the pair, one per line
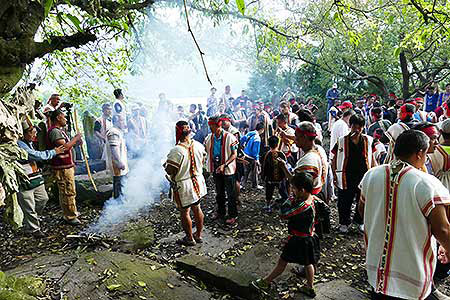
(213, 270)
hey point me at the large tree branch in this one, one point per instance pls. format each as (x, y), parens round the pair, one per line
(108, 7)
(60, 43)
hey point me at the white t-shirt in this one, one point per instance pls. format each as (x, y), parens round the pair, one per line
(339, 129)
(115, 138)
(400, 250)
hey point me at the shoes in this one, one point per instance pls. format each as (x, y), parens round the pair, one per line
(186, 242)
(260, 284)
(343, 228)
(230, 221)
(259, 187)
(268, 209)
(310, 292)
(73, 222)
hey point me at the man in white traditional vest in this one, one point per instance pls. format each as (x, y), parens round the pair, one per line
(116, 154)
(221, 149)
(353, 156)
(404, 212)
(185, 166)
(314, 159)
(32, 195)
(102, 125)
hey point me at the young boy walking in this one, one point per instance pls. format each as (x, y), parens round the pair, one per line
(273, 174)
(302, 246)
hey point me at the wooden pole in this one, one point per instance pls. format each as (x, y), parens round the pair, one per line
(75, 117)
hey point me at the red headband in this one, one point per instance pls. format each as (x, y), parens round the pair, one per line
(429, 131)
(404, 114)
(307, 133)
(218, 123)
(225, 119)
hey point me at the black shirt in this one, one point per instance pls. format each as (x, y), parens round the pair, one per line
(356, 163)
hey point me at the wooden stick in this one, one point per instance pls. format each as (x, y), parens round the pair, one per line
(75, 117)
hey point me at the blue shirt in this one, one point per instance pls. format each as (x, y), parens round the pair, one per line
(217, 147)
(34, 155)
(332, 94)
(431, 101)
(252, 142)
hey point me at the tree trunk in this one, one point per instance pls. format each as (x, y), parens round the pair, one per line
(405, 75)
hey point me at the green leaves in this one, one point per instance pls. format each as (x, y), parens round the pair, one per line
(241, 5)
(227, 1)
(75, 21)
(47, 6)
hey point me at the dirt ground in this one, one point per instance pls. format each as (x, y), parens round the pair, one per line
(342, 255)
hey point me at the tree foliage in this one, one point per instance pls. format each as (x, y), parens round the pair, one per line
(389, 45)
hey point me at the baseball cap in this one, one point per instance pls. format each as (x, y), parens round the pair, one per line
(346, 105)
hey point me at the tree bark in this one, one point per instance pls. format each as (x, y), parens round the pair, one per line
(405, 75)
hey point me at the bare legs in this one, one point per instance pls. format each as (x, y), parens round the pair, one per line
(277, 271)
(186, 221)
(281, 266)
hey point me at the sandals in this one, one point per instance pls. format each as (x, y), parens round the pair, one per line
(186, 242)
(310, 292)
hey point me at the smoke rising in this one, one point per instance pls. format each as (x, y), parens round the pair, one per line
(146, 179)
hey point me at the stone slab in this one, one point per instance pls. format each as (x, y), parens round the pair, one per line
(231, 280)
(111, 275)
(260, 261)
(50, 266)
(335, 290)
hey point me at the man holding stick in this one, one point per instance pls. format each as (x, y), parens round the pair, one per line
(63, 165)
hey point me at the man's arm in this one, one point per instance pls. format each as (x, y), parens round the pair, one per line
(440, 226)
(35, 155)
(117, 162)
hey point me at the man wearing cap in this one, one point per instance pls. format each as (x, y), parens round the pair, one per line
(332, 95)
(32, 195)
(340, 128)
(406, 121)
(63, 165)
(185, 167)
(221, 148)
(53, 104)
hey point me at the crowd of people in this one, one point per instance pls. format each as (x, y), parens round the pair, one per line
(386, 166)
